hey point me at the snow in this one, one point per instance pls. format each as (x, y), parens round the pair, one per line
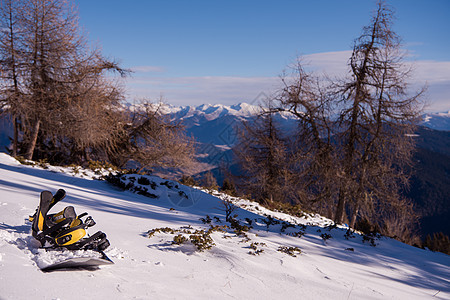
(155, 268)
(223, 147)
(208, 111)
(437, 121)
(211, 112)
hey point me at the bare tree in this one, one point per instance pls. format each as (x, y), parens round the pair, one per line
(148, 137)
(54, 76)
(51, 42)
(376, 118)
(353, 145)
(209, 181)
(312, 158)
(91, 121)
(10, 63)
(262, 155)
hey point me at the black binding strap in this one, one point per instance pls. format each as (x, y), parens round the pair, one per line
(48, 231)
(84, 242)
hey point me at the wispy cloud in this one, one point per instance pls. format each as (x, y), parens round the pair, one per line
(336, 63)
(434, 74)
(331, 63)
(234, 89)
(199, 90)
(432, 71)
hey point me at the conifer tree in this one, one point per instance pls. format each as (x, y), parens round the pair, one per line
(352, 147)
(262, 156)
(376, 120)
(51, 75)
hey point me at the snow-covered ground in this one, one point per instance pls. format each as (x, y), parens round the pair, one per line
(328, 267)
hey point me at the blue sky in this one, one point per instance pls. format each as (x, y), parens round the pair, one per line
(193, 52)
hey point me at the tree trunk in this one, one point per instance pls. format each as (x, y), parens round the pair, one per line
(16, 137)
(355, 215)
(339, 217)
(33, 139)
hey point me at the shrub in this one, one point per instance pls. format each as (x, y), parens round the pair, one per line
(152, 232)
(331, 226)
(116, 180)
(270, 221)
(228, 207)
(24, 161)
(438, 242)
(290, 250)
(366, 227)
(349, 234)
(287, 208)
(228, 187)
(200, 238)
(75, 169)
(43, 163)
(298, 234)
(169, 184)
(238, 228)
(221, 228)
(254, 247)
(209, 181)
(325, 236)
(144, 192)
(179, 239)
(183, 194)
(202, 241)
(143, 180)
(371, 237)
(98, 166)
(286, 226)
(206, 220)
(188, 180)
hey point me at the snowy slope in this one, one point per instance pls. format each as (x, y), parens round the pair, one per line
(154, 268)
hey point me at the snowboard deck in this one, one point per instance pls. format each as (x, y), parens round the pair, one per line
(79, 263)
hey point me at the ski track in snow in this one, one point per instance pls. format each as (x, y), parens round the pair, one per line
(155, 268)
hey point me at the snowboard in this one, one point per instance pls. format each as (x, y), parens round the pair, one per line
(79, 263)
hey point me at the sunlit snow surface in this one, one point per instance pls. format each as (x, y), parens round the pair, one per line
(155, 268)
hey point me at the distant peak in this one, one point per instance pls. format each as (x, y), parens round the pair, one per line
(242, 109)
(246, 107)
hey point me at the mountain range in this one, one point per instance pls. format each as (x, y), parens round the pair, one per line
(208, 123)
(210, 112)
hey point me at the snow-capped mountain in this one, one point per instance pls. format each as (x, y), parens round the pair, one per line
(437, 121)
(200, 115)
(216, 124)
(203, 112)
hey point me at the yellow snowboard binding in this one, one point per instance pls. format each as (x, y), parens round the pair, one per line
(64, 229)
